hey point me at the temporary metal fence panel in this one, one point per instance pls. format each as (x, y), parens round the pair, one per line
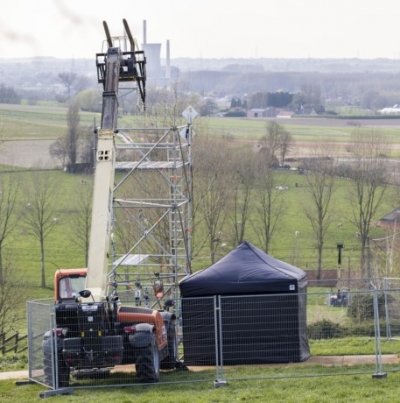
(389, 310)
(222, 338)
(286, 335)
(61, 338)
(391, 290)
(342, 338)
(39, 316)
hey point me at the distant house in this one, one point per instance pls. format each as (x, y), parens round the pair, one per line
(261, 113)
(285, 114)
(223, 103)
(391, 220)
(307, 111)
(394, 110)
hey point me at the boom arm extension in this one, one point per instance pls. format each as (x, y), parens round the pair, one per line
(117, 66)
(108, 36)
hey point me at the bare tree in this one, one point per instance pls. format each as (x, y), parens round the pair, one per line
(277, 140)
(212, 190)
(10, 214)
(82, 83)
(65, 148)
(285, 144)
(385, 252)
(68, 79)
(165, 106)
(269, 203)
(320, 186)
(76, 145)
(387, 248)
(243, 168)
(11, 303)
(73, 136)
(42, 205)
(370, 182)
(58, 150)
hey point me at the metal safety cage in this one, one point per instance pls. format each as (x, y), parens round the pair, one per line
(132, 65)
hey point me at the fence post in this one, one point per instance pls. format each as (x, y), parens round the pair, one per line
(378, 352)
(218, 343)
(16, 343)
(387, 318)
(2, 342)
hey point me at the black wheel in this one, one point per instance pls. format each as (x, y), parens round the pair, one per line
(148, 363)
(63, 371)
(169, 362)
(48, 364)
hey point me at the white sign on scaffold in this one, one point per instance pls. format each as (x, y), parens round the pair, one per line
(189, 114)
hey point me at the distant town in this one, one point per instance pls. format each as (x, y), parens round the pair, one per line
(314, 86)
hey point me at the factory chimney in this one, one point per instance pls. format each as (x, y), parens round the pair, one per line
(144, 32)
(168, 63)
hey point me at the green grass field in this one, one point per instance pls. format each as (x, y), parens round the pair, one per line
(298, 250)
(49, 123)
(358, 387)
(28, 122)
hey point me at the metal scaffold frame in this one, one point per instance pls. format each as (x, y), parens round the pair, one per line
(152, 215)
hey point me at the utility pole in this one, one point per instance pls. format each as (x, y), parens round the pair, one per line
(339, 247)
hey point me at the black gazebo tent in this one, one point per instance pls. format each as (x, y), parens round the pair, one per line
(248, 308)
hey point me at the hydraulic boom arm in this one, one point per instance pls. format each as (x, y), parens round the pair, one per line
(113, 67)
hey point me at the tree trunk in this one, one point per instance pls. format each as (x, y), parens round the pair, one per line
(42, 263)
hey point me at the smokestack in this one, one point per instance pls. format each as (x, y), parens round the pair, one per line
(168, 63)
(144, 32)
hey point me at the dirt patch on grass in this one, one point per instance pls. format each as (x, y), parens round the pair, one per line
(27, 153)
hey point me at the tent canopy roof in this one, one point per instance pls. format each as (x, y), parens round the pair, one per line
(244, 271)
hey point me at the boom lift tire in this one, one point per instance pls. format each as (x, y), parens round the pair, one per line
(169, 362)
(148, 363)
(63, 371)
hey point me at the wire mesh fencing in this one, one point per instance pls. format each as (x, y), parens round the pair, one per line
(317, 332)
(40, 321)
(79, 345)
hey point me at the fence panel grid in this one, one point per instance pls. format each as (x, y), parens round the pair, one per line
(308, 333)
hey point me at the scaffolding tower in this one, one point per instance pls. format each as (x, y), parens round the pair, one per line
(152, 214)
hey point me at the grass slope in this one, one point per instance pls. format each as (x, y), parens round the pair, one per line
(355, 388)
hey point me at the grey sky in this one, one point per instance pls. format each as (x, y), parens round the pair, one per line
(206, 28)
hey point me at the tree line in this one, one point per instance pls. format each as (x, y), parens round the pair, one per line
(320, 90)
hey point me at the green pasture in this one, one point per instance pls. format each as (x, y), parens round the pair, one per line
(48, 121)
(297, 387)
(61, 251)
(300, 250)
(302, 129)
(31, 122)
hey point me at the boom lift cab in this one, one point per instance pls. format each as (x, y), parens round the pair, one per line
(93, 331)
